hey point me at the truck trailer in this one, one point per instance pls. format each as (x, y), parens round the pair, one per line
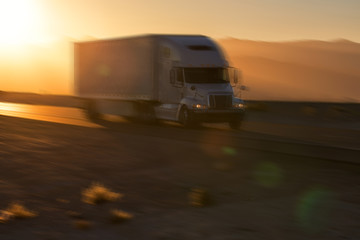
(182, 78)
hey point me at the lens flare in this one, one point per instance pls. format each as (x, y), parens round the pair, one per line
(268, 174)
(217, 145)
(313, 209)
(229, 151)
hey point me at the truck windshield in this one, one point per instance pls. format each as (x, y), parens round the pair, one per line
(206, 75)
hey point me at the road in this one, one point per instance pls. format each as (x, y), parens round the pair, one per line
(311, 141)
(65, 115)
(263, 182)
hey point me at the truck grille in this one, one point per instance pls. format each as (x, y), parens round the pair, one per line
(220, 101)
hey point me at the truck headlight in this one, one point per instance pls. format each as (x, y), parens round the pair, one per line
(199, 106)
(238, 105)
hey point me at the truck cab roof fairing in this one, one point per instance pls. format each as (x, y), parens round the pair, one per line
(196, 50)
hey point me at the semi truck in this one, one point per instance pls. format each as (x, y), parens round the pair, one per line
(182, 78)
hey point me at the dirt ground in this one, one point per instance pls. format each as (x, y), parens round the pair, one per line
(248, 194)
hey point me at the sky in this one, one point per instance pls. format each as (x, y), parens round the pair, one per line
(36, 35)
(266, 20)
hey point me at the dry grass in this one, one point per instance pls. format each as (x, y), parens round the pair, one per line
(199, 197)
(74, 214)
(83, 224)
(5, 216)
(61, 200)
(17, 210)
(119, 216)
(98, 193)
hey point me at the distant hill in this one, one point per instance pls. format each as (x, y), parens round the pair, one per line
(299, 70)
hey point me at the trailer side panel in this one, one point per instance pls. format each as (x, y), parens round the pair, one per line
(116, 69)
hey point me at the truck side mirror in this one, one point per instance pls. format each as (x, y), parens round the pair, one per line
(235, 76)
(239, 76)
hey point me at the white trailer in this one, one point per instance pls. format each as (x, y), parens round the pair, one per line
(183, 78)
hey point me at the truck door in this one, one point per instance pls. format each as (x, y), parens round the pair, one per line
(168, 94)
(177, 82)
(171, 83)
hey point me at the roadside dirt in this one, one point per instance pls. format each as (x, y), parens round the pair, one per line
(251, 194)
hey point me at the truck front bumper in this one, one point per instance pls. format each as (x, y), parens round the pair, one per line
(212, 115)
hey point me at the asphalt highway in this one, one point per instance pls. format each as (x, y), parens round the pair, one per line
(337, 144)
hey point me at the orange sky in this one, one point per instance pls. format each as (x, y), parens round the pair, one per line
(38, 33)
(38, 21)
(272, 20)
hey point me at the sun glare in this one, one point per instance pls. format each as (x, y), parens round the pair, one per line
(20, 23)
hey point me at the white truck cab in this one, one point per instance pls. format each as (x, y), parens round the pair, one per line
(201, 80)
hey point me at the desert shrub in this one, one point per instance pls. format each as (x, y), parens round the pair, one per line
(83, 224)
(118, 216)
(5, 216)
(98, 193)
(17, 210)
(199, 197)
(74, 214)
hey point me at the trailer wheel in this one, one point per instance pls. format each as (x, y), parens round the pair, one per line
(185, 117)
(91, 111)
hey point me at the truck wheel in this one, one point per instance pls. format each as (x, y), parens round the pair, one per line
(185, 118)
(91, 111)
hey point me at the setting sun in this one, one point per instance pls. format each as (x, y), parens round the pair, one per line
(19, 23)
